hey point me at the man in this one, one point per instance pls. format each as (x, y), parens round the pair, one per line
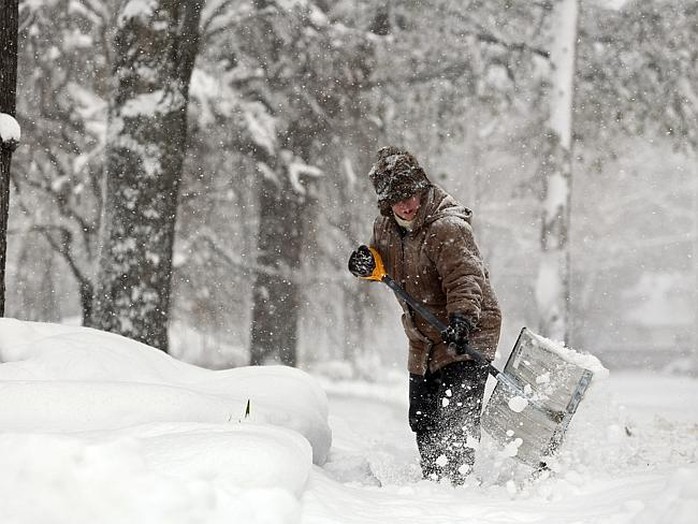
(427, 246)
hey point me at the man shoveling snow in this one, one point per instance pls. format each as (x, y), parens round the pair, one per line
(427, 244)
(452, 320)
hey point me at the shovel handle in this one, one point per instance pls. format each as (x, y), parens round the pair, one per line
(419, 308)
(380, 275)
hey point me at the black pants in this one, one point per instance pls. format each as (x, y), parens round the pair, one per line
(445, 416)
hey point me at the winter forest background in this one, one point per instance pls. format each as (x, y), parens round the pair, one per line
(254, 123)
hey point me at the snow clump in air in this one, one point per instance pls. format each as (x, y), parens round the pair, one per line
(517, 404)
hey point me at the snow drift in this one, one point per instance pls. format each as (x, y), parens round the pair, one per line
(83, 411)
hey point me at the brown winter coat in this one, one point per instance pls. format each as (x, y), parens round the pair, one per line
(439, 264)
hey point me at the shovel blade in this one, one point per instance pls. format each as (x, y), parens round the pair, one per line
(530, 431)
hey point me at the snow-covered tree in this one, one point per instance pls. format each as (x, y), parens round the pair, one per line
(297, 74)
(553, 285)
(9, 129)
(63, 70)
(637, 74)
(155, 45)
(319, 86)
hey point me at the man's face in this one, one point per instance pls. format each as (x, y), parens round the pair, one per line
(407, 209)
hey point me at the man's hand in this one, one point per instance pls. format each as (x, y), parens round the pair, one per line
(361, 262)
(457, 333)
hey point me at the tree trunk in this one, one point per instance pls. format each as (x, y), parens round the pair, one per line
(276, 293)
(9, 17)
(154, 50)
(5, 161)
(695, 267)
(553, 285)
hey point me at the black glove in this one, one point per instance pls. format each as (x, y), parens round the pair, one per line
(361, 262)
(457, 333)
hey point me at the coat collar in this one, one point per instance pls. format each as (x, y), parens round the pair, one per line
(436, 203)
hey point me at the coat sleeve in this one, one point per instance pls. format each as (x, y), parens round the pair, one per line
(378, 236)
(452, 248)
(374, 234)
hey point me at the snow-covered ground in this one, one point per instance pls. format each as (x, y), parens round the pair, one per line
(96, 428)
(630, 456)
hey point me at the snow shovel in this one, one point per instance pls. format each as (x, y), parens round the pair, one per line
(535, 396)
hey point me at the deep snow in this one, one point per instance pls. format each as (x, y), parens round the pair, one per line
(97, 428)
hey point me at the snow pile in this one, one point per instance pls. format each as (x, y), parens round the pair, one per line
(96, 427)
(157, 473)
(584, 360)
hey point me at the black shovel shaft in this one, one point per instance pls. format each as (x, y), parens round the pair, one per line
(501, 377)
(431, 318)
(419, 308)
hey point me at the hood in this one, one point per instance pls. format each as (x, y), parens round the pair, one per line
(438, 204)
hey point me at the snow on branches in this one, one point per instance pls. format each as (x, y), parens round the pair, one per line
(10, 132)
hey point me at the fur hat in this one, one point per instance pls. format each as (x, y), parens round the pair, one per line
(396, 175)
